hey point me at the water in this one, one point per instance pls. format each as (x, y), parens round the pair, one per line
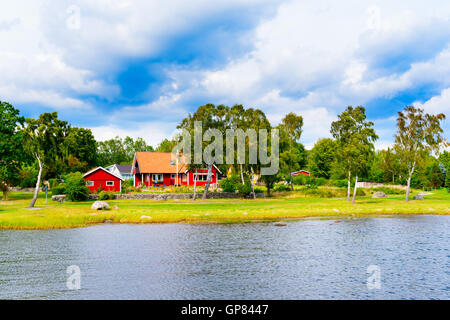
(311, 259)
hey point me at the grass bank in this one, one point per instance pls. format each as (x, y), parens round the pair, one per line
(53, 215)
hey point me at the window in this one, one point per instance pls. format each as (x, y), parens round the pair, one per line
(183, 177)
(89, 183)
(173, 176)
(203, 176)
(110, 183)
(157, 178)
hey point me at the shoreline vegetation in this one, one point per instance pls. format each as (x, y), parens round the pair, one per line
(15, 215)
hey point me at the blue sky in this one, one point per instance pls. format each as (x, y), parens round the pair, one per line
(138, 67)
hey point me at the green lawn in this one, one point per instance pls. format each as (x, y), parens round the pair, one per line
(15, 215)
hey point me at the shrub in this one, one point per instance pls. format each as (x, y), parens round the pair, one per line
(259, 190)
(340, 183)
(388, 190)
(129, 183)
(282, 187)
(229, 184)
(106, 195)
(76, 189)
(244, 189)
(28, 176)
(59, 189)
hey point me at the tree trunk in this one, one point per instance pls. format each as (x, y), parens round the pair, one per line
(407, 187)
(5, 193)
(393, 179)
(253, 184)
(354, 190)
(208, 181)
(242, 174)
(195, 186)
(38, 183)
(349, 187)
(290, 182)
(268, 191)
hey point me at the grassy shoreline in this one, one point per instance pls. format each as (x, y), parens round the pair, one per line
(287, 206)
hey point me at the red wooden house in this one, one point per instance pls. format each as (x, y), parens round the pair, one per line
(302, 172)
(159, 169)
(102, 179)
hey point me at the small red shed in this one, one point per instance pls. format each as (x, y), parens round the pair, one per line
(102, 179)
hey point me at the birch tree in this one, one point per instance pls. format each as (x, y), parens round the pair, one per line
(355, 137)
(418, 135)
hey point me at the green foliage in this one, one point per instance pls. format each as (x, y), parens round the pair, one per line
(120, 151)
(388, 190)
(229, 184)
(106, 195)
(10, 145)
(282, 187)
(418, 135)
(269, 181)
(303, 180)
(58, 189)
(28, 176)
(341, 183)
(322, 157)
(76, 189)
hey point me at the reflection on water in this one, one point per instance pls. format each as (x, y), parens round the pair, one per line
(311, 259)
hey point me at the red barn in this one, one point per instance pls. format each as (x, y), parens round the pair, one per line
(102, 179)
(159, 169)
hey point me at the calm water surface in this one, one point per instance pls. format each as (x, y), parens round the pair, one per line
(311, 259)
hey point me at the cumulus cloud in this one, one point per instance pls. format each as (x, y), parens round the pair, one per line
(281, 56)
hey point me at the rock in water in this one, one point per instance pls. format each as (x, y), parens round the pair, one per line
(418, 197)
(379, 195)
(100, 205)
(280, 224)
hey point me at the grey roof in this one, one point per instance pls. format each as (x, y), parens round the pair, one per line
(124, 168)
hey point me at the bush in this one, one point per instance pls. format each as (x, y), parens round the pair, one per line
(282, 187)
(244, 189)
(339, 183)
(129, 183)
(229, 184)
(75, 188)
(388, 190)
(106, 195)
(28, 176)
(59, 189)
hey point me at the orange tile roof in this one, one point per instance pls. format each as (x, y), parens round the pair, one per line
(159, 162)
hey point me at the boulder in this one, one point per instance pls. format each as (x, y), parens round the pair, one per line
(100, 205)
(60, 198)
(280, 224)
(418, 197)
(379, 195)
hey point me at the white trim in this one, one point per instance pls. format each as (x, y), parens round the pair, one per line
(101, 168)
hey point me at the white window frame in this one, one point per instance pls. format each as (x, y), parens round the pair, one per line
(157, 175)
(110, 183)
(89, 183)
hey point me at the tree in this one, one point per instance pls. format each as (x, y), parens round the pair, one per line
(389, 163)
(10, 146)
(120, 151)
(166, 145)
(354, 137)
(418, 135)
(43, 138)
(210, 117)
(290, 131)
(269, 181)
(321, 158)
